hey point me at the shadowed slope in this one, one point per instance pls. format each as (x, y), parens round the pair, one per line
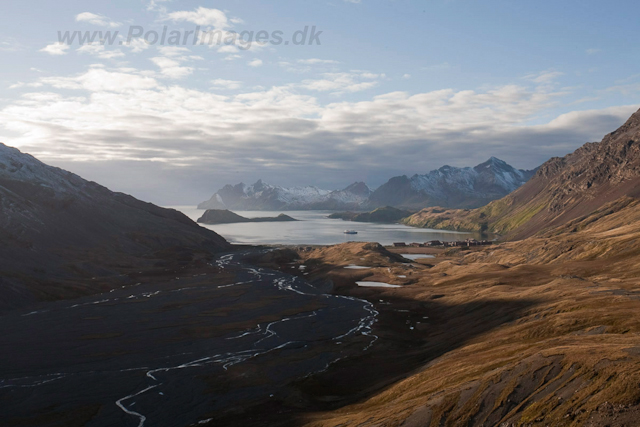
(62, 235)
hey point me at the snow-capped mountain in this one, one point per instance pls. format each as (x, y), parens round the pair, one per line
(262, 196)
(447, 187)
(452, 187)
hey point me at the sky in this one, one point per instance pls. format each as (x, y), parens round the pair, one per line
(300, 92)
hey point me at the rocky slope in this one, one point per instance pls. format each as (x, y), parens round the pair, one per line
(262, 196)
(63, 236)
(562, 189)
(452, 187)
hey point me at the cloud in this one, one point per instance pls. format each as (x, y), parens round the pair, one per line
(179, 53)
(255, 63)
(10, 44)
(136, 44)
(593, 51)
(189, 142)
(56, 49)
(99, 51)
(202, 16)
(21, 84)
(339, 83)
(315, 61)
(174, 51)
(625, 89)
(294, 68)
(544, 77)
(225, 84)
(94, 19)
(98, 80)
(171, 68)
(227, 49)
(171, 63)
(156, 6)
(406, 76)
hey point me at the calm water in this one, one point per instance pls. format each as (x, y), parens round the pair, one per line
(314, 228)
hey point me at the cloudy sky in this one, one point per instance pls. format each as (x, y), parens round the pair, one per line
(174, 99)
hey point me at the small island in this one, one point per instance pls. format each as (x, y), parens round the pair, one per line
(383, 215)
(224, 216)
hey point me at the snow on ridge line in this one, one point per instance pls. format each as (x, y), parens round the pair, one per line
(18, 166)
(495, 170)
(261, 193)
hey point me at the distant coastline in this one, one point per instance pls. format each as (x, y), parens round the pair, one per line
(224, 216)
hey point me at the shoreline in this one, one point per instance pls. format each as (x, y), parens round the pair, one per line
(314, 228)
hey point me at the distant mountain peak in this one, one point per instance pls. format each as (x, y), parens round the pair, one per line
(494, 163)
(448, 186)
(259, 185)
(263, 196)
(358, 188)
(564, 189)
(451, 186)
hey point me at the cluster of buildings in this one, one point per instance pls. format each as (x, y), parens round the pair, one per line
(438, 243)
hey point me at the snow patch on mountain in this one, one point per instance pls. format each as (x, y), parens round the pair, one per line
(451, 186)
(494, 172)
(18, 166)
(263, 196)
(448, 186)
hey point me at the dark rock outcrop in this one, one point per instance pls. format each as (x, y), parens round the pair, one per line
(224, 216)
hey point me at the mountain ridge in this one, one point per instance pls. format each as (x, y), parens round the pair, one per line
(65, 236)
(449, 186)
(563, 189)
(262, 196)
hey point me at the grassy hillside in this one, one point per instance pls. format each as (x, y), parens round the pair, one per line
(562, 190)
(568, 356)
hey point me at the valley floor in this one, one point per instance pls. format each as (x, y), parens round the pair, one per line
(544, 331)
